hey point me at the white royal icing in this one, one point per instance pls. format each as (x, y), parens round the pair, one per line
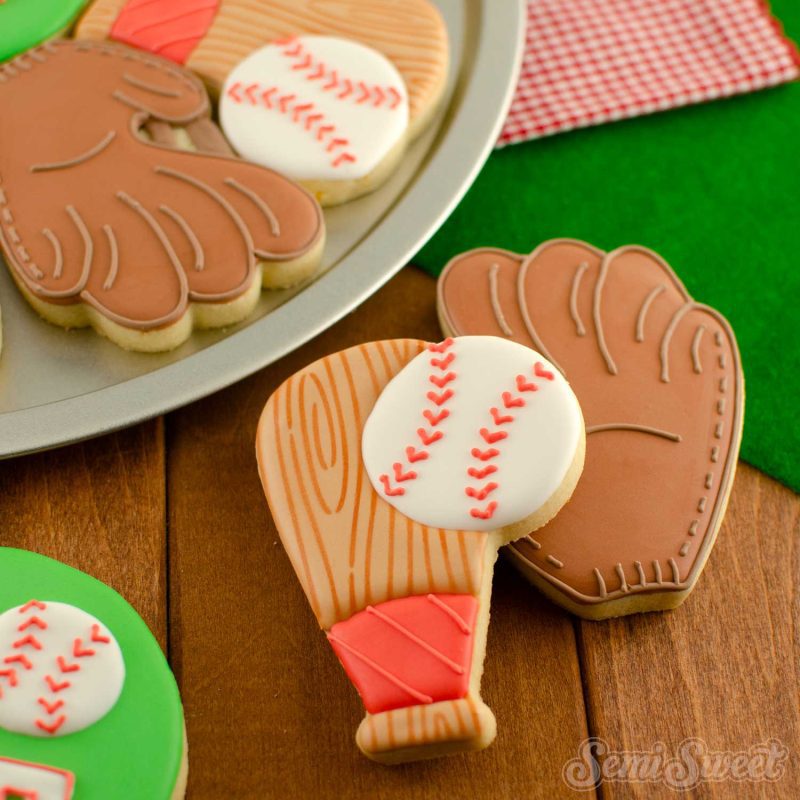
(57, 674)
(523, 454)
(23, 779)
(315, 108)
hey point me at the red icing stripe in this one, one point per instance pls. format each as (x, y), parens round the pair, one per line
(410, 651)
(169, 28)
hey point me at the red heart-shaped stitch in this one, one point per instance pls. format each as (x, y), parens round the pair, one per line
(435, 417)
(429, 438)
(509, 401)
(525, 386)
(413, 455)
(401, 476)
(541, 372)
(490, 437)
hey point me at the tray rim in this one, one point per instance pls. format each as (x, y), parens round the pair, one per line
(403, 231)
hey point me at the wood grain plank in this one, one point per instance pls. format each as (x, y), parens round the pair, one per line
(725, 666)
(270, 712)
(98, 506)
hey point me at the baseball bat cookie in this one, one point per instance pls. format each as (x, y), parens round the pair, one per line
(660, 381)
(89, 709)
(142, 241)
(394, 471)
(212, 37)
(24, 24)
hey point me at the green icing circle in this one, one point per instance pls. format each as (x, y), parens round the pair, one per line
(136, 750)
(25, 23)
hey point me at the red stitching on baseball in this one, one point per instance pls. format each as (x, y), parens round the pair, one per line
(486, 513)
(99, 637)
(442, 363)
(32, 604)
(378, 96)
(29, 640)
(524, 386)
(343, 158)
(79, 651)
(50, 708)
(55, 686)
(10, 675)
(37, 621)
(500, 419)
(443, 380)
(435, 417)
(481, 473)
(441, 398)
(490, 437)
(19, 658)
(509, 401)
(541, 372)
(413, 455)
(484, 455)
(483, 492)
(429, 438)
(442, 346)
(401, 476)
(51, 728)
(65, 667)
(384, 479)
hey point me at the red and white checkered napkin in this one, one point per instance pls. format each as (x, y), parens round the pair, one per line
(593, 61)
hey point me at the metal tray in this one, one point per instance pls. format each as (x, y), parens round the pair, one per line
(58, 387)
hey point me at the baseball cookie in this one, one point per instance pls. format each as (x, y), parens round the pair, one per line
(24, 23)
(88, 706)
(141, 241)
(394, 472)
(660, 382)
(212, 36)
(329, 113)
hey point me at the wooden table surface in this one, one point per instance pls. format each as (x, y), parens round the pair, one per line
(171, 514)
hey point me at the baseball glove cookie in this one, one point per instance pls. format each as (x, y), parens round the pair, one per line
(88, 706)
(660, 381)
(327, 93)
(139, 240)
(24, 24)
(394, 472)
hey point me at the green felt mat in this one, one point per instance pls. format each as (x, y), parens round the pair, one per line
(714, 188)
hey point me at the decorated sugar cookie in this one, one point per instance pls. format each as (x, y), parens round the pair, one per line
(88, 706)
(25, 23)
(212, 37)
(328, 112)
(660, 381)
(394, 471)
(141, 241)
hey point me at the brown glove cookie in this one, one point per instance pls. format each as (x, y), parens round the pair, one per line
(141, 241)
(660, 382)
(212, 36)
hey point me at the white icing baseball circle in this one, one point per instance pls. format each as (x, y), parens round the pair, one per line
(315, 108)
(35, 780)
(473, 434)
(61, 669)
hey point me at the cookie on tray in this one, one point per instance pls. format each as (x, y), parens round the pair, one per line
(142, 240)
(88, 705)
(328, 94)
(394, 471)
(660, 382)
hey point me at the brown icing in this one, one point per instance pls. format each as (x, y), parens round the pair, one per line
(643, 358)
(90, 212)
